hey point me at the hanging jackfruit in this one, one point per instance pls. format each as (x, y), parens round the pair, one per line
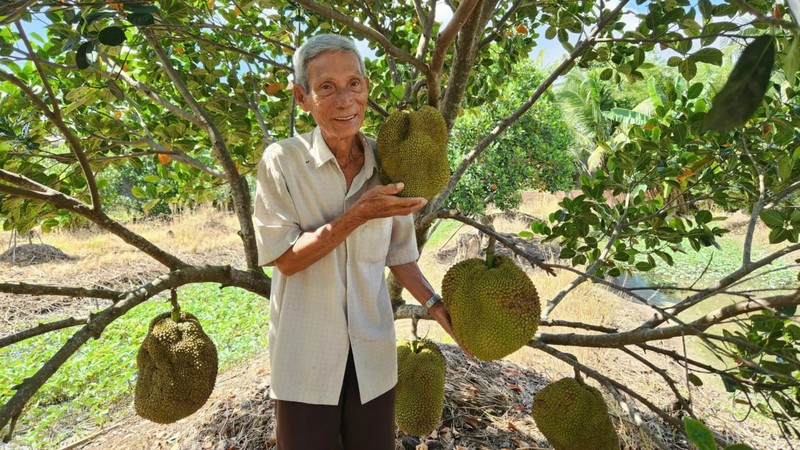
(177, 364)
(411, 149)
(419, 394)
(493, 306)
(573, 416)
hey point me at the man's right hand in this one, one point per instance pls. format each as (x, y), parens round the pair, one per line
(381, 201)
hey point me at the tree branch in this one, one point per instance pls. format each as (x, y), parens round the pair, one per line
(65, 291)
(239, 192)
(60, 200)
(429, 212)
(695, 328)
(57, 120)
(42, 328)
(252, 280)
(503, 239)
(498, 24)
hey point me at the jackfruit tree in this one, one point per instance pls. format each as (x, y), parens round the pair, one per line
(96, 93)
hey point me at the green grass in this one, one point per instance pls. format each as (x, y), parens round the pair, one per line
(443, 232)
(96, 385)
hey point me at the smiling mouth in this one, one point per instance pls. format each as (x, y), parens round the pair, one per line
(345, 119)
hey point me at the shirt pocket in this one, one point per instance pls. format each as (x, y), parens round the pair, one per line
(373, 240)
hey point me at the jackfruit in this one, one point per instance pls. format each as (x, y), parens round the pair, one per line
(177, 364)
(411, 149)
(494, 310)
(574, 416)
(419, 394)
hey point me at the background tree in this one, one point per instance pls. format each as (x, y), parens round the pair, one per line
(205, 83)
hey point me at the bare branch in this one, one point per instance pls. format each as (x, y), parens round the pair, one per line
(498, 25)
(695, 328)
(254, 281)
(42, 328)
(502, 238)
(65, 291)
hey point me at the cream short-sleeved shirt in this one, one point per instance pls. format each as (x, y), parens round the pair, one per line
(341, 301)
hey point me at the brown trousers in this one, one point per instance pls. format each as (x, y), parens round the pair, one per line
(346, 426)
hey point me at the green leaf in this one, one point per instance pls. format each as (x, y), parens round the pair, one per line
(791, 60)
(699, 434)
(112, 36)
(695, 380)
(83, 57)
(643, 266)
(138, 192)
(151, 204)
(772, 218)
(746, 86)
(694, 90)
(152, 178)
(141, 19)
(708, 55)
(115, 89)
(779, 235)
(606, 74)
(703, 217)
(140, 9)
(688, 69)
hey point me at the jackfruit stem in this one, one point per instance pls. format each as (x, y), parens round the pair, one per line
(175, 314)
(490, 253)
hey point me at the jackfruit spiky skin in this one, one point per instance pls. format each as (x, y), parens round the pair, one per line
(494, 311)
(177, 364)
(419, 394)
(574, 416)
(412, 149)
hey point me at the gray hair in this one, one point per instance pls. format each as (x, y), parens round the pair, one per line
(314, 47)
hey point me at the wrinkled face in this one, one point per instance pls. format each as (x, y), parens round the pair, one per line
(337, 94)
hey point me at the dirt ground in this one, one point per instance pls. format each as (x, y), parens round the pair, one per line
(487, 403)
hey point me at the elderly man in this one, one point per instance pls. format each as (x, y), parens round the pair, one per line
(330, 228)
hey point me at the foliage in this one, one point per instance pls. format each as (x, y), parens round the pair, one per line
(515, 162)
(101, 377)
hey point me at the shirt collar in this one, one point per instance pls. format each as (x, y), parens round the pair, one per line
(321, 153)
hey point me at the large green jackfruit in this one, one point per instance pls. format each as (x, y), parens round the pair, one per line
(574, 416)
(419, 394)
(411, 149)
(494, 310)
(177, 369)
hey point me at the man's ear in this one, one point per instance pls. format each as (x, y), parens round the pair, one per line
(301, 97)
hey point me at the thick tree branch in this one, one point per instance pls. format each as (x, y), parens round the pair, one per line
(36, 191)
(64, 291)
(695, 328)
(42, 328)
(502, 238)
(450, 31)
(466, 51)
(239, 191)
